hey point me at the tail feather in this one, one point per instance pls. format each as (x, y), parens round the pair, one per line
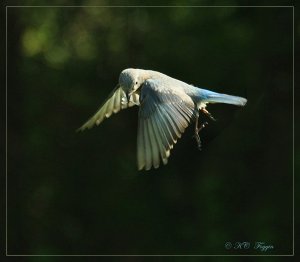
(227, 99)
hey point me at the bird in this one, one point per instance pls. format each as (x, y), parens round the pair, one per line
(166, 108)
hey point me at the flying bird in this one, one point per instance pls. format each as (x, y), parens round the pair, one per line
(166, 107)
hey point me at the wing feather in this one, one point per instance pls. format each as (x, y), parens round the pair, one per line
(154, 145)
(140, 147)
(170, 138)
(165, 112)
(147, 147)
(161, 148)
(116, 101)
(164, 135)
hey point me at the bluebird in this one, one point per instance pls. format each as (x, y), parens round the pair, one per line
(166, 107)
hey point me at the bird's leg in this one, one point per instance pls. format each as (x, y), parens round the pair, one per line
(207, 113)
(197, 137)
(197, 130)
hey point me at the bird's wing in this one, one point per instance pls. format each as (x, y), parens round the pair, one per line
(116, 101)
(164, 114)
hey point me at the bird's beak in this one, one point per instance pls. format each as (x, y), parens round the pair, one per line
(130, 93)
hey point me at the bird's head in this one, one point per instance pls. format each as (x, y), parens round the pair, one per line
(130, 80)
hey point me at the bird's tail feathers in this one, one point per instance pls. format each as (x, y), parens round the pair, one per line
(227, 99)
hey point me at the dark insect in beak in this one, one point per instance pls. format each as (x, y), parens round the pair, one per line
(127, 96)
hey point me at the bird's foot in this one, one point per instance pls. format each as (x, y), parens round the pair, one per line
(198, 129)
(196, 135)
(208, 114)
(198, 140)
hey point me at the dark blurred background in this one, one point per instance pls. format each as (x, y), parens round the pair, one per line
(81, 193)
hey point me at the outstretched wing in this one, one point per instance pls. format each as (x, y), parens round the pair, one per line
(165, 112)
(116, 101)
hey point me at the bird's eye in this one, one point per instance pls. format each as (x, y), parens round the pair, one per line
(136, 83)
